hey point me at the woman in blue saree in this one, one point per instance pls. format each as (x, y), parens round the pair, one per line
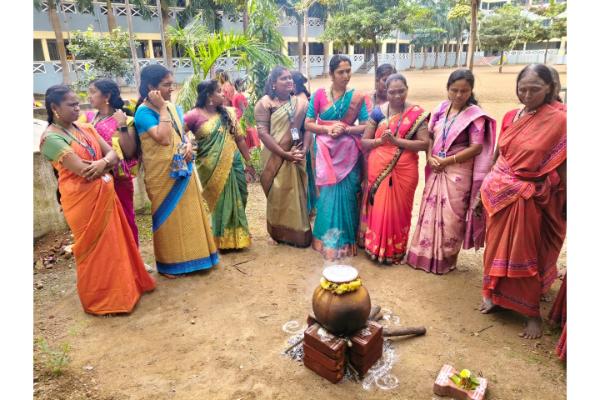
(183, 240)
(332, 115)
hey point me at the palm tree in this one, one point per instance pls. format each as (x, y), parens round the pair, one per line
(57, 27)
(472, 33)
(204, 49)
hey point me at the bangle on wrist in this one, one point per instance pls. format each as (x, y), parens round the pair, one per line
(123, 128)
(106, 161)
(455, 162)
(165, 120)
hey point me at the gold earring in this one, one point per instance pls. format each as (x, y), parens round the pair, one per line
(56, 115)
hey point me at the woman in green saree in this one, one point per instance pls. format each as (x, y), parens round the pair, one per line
(279, 117)
(221, 146)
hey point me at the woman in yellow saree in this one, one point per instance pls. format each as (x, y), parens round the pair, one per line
(221, 146)
(182, 236)
(279, 117)
(110, 272)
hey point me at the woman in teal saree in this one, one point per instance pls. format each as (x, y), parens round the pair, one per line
(331, 116)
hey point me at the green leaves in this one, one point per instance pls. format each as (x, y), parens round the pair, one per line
(258, 51)
(110, 54)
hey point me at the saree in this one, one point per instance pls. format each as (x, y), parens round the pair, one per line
(446, 219)
(337, 174)
(392, 178)
(524, 197)
(111, 275)
(221, 172)
(123, 185)
(182, 236)
(240, 103)
(283, 182)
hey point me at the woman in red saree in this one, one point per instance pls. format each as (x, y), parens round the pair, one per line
(395, 132)
(110, 273)
(524, 196)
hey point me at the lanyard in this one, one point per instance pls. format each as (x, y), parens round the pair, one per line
(85, 145)
(291, 111)
(446, 129)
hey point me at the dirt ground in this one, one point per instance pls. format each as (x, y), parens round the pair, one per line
(218, 335)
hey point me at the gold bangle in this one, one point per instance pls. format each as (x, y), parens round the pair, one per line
(455, 162)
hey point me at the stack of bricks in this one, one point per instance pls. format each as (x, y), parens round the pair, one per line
(326, 354)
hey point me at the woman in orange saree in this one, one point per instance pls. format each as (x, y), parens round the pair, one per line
(395, 132)
(524, 196)
(110, 273)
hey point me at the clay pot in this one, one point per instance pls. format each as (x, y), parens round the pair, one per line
(341, 314)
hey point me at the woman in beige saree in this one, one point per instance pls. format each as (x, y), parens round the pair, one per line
(279, 119)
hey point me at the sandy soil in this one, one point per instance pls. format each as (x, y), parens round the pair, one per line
(218, 335)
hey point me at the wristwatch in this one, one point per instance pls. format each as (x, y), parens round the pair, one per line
(123, 128)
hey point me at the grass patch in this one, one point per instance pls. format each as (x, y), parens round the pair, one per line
(54, 359)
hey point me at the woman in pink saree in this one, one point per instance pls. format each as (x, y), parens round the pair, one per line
(460, 156)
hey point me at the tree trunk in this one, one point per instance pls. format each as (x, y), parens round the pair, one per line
(459, 43)
(300, 42)
(60, 42)
(112, 22)
(168, 51)
(472, 34)
(376, 58)
(325, 56)
(306, 48)
(446, 45)
(411, 50)
(435, 59)
(546, 51)
(501, 60)
(245, 18)
(424, 53)
(136, 66)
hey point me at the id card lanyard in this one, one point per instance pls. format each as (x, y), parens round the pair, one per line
(290, 112)
(445, 130)
(85, 145)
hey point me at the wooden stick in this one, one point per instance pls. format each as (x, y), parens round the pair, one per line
(294, 344)
(417, 331)
(374, 311)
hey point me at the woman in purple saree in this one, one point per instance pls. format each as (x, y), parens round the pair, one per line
(460, 156)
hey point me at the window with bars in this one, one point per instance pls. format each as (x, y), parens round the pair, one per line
(38, 53)
(390, 48)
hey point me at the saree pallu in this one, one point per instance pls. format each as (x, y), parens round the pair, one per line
(123, 186)
(524, 199)
(284, 183)
(337, 174)
(446, 219)
(558, 314)
(182, 236)
(311, 190)
(392, 178)
(110, 272)
(221, 172)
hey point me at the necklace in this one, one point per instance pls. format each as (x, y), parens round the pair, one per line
(335, 109)
(389, 116)
(97, 118)
(87, 145)
(520, 114)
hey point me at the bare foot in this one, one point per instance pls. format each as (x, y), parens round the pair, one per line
(271, 242)
(168, 276)
(486, 306)
(533, 329)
